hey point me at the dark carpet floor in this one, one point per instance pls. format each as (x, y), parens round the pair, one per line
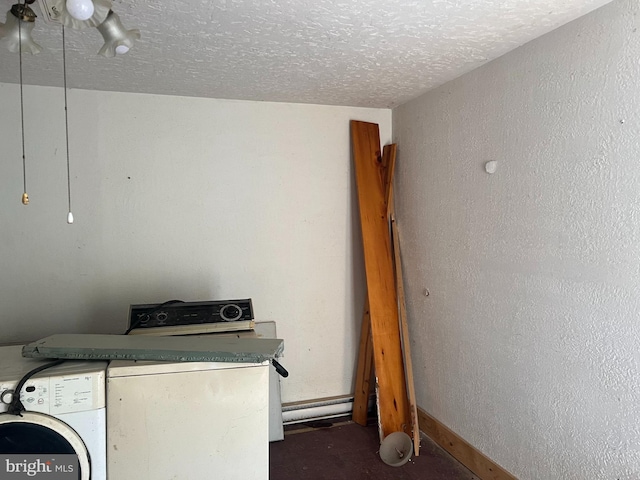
(347, 451)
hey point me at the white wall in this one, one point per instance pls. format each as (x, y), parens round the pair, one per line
(185, 198)
(528, 345)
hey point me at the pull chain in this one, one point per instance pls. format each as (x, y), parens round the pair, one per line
(25, 196)
(66, 125)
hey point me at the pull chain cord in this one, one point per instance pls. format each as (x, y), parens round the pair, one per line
(25, 196)
(66, 125)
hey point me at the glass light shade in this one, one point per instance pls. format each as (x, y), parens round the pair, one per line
(117, 39)
(13, 33)
(80, 9)
(66, 10)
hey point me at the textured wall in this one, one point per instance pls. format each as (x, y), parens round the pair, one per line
(528, 343)
(185, 198)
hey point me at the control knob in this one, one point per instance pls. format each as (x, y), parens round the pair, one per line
(230, 312)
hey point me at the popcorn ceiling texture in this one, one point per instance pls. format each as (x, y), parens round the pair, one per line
(371, 53)
(528, 345)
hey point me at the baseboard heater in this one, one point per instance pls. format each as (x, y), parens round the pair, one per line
(319, 409)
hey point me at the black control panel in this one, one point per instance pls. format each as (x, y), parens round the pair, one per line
(189, 313)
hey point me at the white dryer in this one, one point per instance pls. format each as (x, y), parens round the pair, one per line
(188, 420)
(65, 411)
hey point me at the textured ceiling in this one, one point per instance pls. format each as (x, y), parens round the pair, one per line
(372, 53)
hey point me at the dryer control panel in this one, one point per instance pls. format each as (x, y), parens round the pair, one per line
(189, 313)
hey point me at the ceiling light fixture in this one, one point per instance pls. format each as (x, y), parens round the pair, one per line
(76, 14)
(117, 39)
(15, 34)
(80, 9)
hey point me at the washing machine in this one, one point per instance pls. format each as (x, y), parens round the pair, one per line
(65, 412)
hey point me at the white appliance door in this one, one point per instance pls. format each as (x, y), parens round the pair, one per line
(189, 425)
(42, 435)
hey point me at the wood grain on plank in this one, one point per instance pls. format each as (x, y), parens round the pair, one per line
(389, 166)
(394, 412)
(406, 344)
(363, 371)
(364, 368)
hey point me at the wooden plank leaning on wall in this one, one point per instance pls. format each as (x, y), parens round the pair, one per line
(371, 180)
(364, 369)
(404, 331)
